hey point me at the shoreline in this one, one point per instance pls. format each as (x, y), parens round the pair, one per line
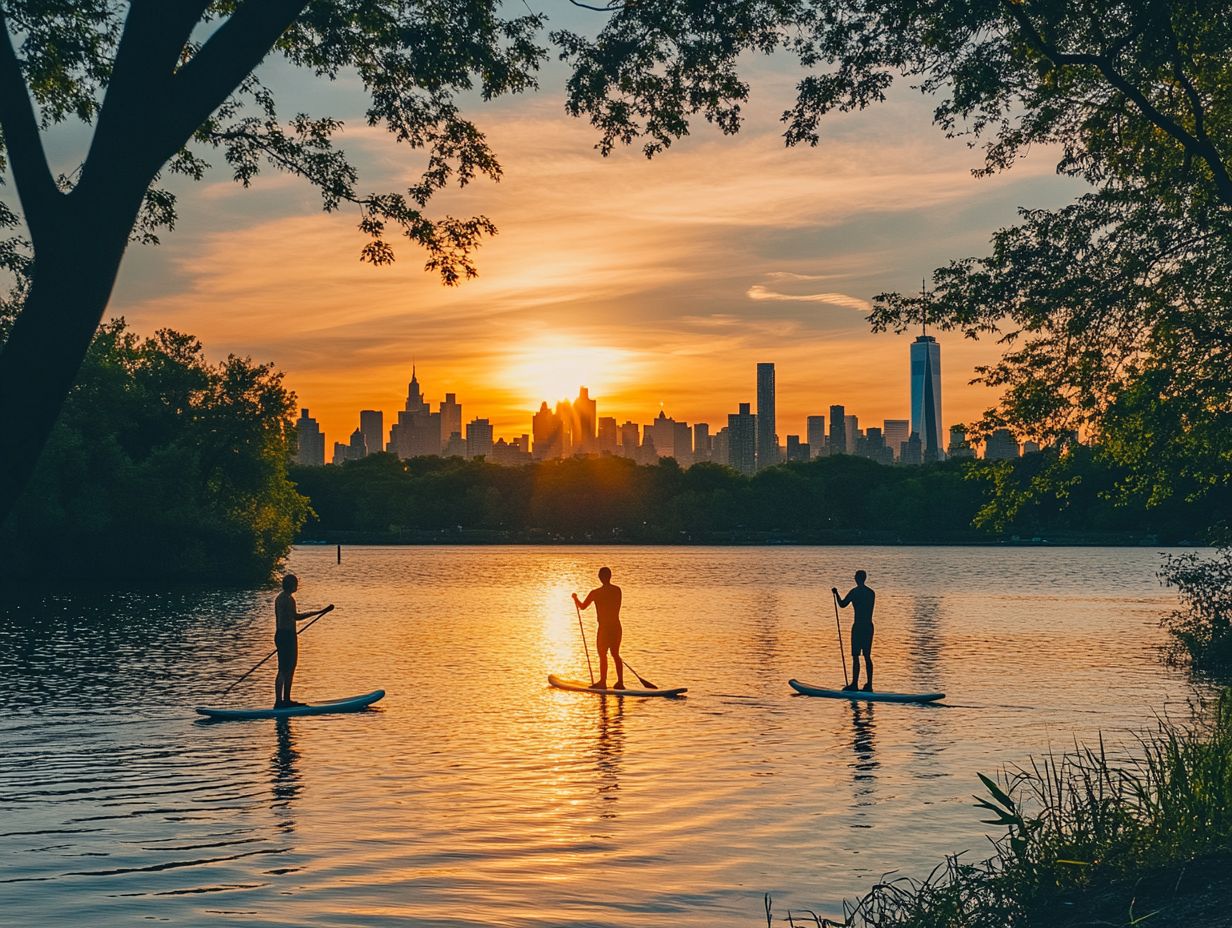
(498, 537)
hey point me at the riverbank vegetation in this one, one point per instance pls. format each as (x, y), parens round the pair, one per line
(840, 499)
(162, 466)
(1201, 626)
(1090, 840)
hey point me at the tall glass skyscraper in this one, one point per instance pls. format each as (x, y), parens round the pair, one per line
(767, 440)
(926, 396)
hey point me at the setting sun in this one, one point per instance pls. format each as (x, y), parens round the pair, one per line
(552, 369)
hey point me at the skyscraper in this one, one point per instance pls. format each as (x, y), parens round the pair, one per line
(479, 439)
(853, 433)
(838, 430)
(607, 440)
(310, 441)
(372, 424)
(630, 439)
(584, 410)
(926, 396)
(451, 417)
(767, 437)
(896, 431)
(682, 443)
(742, 440)
(1001, 446)
(549, 434)
(959, 447)
(701, 443)
(816, 435)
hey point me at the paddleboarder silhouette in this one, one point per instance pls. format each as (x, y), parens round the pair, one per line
(861, 599)
(607, 607)
(286, 640)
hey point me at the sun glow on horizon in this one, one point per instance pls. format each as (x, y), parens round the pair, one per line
(552, 369)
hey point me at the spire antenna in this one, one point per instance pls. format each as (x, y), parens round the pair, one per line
(924, 307)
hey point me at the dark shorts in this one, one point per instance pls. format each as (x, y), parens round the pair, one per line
(609, 636)
(862, 639)
(287, 643)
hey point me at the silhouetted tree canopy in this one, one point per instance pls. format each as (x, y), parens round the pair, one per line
(840, 499)
(168, 87)
(162, 466)
(1114, 311)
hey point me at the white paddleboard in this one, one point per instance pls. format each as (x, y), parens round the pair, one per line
(577, 685)
(809, 689)
(350, 704)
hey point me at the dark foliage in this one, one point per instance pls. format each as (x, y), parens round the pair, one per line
(162, 466)
(837, 499)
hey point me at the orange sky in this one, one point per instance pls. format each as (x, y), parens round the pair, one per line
(651, 282)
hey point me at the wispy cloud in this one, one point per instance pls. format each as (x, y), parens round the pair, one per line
(761, 293)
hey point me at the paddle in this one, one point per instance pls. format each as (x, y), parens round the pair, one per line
(640, 679)
(841, 652)
(320, 614)
(582, 629)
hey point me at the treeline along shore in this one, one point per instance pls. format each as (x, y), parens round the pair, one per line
(835, 500)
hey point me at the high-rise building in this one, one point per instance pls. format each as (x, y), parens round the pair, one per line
(720, 447)
(767, 437)
(701, 443)
(926, 396)
(418, 430)
(912, 452)
(838, 430)
(372, 424)
(795, 450)
(959, 447)
(742, 440)
(630, 439)
(479, 439)
(682, 443)
(584, 409)
(662, 432)
(455, 446)
(852, 433)
(568, 426)
(549, 434)
(451, 417)
(607, 441)
(1001, 446)
(874, 446)
(310, 441)
(816, 435)
(895, 432)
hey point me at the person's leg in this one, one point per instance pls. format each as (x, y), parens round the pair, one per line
(855, 666)
(288, 674)
(601, 647)
(280, 688)
(614, 644)
(867, 650)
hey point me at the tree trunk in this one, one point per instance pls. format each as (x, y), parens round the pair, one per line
(74, 271)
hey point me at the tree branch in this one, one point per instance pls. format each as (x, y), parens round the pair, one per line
(31, 174)
(230, 54)
(1194, 146)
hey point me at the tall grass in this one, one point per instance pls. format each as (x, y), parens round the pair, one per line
(1075, 821)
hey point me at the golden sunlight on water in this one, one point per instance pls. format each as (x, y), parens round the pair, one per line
(474, 794)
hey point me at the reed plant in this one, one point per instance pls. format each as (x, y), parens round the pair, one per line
(1075, 823)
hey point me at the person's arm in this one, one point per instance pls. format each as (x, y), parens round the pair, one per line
(843, 601)
(583, 603)
(300, 616)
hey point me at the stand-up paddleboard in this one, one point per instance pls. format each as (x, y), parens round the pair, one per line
(809, 689)
(350, 704)
(563, 684)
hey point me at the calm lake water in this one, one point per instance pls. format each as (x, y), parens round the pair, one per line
(476, 795)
